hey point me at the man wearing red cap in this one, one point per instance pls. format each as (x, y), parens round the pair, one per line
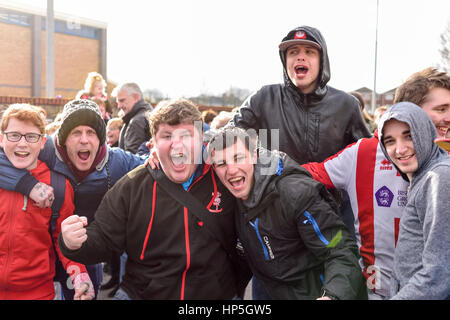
(308, 119)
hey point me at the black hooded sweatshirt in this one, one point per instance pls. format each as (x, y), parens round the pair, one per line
(311, 126)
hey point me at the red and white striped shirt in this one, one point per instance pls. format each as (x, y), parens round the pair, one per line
(378, 195)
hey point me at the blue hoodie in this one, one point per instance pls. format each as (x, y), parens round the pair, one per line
(422, 257)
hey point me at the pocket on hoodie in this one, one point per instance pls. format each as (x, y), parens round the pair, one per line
(162, 288)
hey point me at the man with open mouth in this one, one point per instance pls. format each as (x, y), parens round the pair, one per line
(176, 224)
(78, 151)
(304, 116)
(28, 241)
(294, 241)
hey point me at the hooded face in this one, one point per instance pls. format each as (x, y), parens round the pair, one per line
(303, 66)
(304, 74)
(404, 124)
(82, 144)
(399, 146)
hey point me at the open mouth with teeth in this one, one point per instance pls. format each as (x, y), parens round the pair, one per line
(237, 182)
(179, 159)
(84, 155)
(301, 70)
(21, 154)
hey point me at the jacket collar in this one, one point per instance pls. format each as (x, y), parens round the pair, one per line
(138, 106)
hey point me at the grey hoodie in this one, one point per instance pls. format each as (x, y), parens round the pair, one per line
(422, 256)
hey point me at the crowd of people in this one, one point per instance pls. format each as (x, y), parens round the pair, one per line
(299, 192)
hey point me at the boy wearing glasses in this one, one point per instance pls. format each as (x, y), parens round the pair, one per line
(27, 257)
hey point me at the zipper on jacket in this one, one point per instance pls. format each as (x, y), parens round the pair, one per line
(12, 219)
(255, 226)
(312, 221)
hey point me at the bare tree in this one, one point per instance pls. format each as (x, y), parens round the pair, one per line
(445, 50)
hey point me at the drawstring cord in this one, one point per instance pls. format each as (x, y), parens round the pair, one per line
(149, 228)
(215, 191)
(25, 202)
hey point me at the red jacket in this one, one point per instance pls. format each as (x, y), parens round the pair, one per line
(27, 257)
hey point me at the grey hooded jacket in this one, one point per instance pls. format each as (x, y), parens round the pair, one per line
(422, 257)
(308, 127)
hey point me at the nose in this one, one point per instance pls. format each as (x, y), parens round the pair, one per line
(447, 116)
(401, 148)
(84, 137)
(232, 169)
(22, 141)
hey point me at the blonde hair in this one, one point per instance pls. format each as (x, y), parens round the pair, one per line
(23, 112)
(91, 79)
(115, 122)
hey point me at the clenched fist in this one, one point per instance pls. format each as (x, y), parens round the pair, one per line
(74, 232)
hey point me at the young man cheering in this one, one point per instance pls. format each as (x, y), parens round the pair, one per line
(296, 245)
(172, 253)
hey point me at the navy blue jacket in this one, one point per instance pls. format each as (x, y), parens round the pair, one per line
(89, 192)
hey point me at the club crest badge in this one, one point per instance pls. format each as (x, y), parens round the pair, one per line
(216, 203)
(300, 35)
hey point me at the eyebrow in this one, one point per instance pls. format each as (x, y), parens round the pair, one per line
(408, 131)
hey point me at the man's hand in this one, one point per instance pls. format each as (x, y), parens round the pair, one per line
(43, 195)
(74, 232)
(84, 289)
(153, 160)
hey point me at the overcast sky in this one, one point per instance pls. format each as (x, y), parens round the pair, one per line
(187, 47)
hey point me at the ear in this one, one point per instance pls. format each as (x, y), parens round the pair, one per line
(1, 140)
(254, 155)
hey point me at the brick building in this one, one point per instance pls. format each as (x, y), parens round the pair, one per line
(80, 47)
(385, 98)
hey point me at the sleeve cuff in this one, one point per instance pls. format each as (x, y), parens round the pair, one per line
(26, 184)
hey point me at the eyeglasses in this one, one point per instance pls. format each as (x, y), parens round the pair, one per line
(29, 137)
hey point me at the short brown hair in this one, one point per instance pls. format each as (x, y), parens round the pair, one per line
(227, 136)
(417, 86)
(173, 112)
(208, 116)
(23, 112)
